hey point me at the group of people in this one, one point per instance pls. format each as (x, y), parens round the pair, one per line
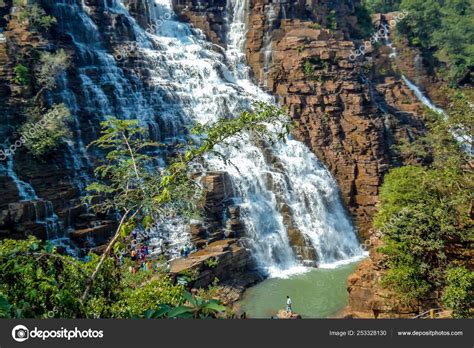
(140, 256)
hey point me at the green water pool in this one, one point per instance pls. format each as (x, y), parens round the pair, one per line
(318, 293)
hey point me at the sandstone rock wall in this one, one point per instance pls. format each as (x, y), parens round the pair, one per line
(347, 119)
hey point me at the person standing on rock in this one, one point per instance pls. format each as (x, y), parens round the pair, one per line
(288, 304)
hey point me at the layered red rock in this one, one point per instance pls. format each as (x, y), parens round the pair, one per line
(224, 259)
(339, 113)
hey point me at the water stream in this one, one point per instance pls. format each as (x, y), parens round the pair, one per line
(319, 293)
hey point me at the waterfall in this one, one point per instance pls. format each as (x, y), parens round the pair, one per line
(25, 190)
(188, 80)
(423, 98)
(271, 17)
(209, 89)
(465, 142)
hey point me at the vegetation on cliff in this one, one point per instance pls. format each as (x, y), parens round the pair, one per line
(426, 219)
(31, 13)
(36, 72)
(443, 30)
(382, 6)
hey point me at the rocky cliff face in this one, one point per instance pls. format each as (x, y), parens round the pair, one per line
(350, 120)
(59, 204)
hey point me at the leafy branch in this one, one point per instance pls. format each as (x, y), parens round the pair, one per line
(133, 185)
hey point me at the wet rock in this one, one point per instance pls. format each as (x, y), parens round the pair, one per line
(283, 314)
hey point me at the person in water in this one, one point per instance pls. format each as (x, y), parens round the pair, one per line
(288, 304)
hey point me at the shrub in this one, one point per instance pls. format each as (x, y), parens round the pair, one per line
(45, 134)
(308, 69)
(459, 292)
(22, 75)
(331, 20)
(34, 15)
(51, 65)
(147, 295)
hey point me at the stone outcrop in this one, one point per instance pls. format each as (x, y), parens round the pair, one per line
(367, 298)
(221, 219)
(208, 16)
(224, 259)
(282, 314)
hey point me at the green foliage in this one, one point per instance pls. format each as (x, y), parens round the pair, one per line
(44, 130)
(364, 22)
(424, 209)
(125, 183)
(211, 262)
(459, 292)
(37, 282)
(194, 308)
(34, 15)
(381, 6)
(22, 75)
(129, 184)
(146, 294)
(444, 30)
(50, 66)
(45, 133)
(308, 69)
(407, 281)
(331, 20)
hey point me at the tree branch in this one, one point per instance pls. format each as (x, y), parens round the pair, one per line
(104, 255)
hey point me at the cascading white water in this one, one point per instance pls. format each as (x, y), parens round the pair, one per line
(25, 190)
(421, 97)
(191, 81)
(271, 15)
(208, 89)
(466, 142)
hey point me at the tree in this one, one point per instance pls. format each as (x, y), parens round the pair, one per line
(382, 6)
(21, 75)
(134, 186)
(37, 282)
(50, 66)
(424, 211)
(444, 31)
